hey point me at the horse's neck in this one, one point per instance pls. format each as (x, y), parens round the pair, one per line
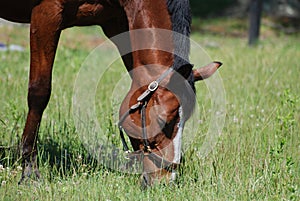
(144, 75)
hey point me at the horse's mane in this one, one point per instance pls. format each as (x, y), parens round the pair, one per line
(181, 21)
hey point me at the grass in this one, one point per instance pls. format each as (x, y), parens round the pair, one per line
(257, 156)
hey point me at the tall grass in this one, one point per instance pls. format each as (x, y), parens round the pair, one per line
(257, 156)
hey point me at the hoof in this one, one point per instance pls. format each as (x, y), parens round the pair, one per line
(29, 171)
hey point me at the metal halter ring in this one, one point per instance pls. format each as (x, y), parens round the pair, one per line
(153, 86)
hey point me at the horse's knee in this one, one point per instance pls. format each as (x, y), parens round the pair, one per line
(38, 95)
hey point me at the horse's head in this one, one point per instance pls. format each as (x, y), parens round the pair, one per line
(153, 116)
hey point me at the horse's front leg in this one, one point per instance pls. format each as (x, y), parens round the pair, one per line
(44, 36)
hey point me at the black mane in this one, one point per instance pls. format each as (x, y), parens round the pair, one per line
(181, 23)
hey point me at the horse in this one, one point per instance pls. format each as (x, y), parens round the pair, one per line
(153, 112)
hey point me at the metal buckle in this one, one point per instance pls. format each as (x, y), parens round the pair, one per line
(153, 86)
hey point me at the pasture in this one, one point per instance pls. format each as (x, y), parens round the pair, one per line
(257, 156)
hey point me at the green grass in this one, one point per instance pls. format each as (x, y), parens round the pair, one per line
(257, 156)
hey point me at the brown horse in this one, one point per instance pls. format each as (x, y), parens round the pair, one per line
(154, 112)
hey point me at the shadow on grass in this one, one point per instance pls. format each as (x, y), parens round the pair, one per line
(60, 159)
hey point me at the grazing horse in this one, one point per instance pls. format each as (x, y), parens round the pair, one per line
(153, 112)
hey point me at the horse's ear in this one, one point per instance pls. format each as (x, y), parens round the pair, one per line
(206, 71)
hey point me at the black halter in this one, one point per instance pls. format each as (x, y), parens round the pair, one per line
(141, 105)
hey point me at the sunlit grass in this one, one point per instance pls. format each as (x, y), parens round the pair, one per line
(257, 156)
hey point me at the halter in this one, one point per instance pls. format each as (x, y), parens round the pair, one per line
(141, 105)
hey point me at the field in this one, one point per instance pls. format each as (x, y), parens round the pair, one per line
(257, 156)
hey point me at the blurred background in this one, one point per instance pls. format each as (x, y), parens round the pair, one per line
(273, 8)
(278, 16)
